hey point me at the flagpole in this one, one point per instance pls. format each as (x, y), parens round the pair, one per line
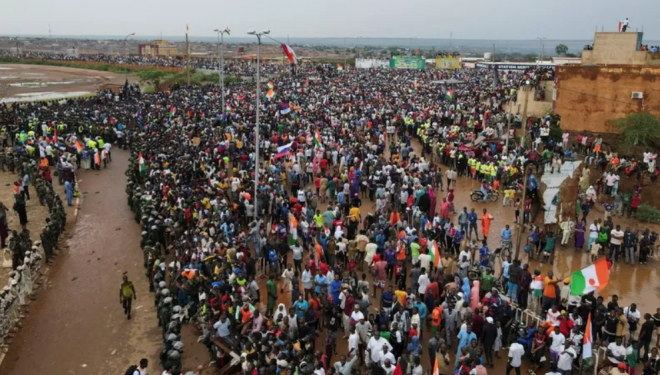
(256, 130)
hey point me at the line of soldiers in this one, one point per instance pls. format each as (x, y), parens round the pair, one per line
(20, 243)
(170, 316)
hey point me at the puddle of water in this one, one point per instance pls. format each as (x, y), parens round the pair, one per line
(35, 96)
(39, 84)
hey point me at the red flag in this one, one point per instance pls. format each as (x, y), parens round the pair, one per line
(397, 370)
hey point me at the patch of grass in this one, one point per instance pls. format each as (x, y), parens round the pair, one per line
(647, 214)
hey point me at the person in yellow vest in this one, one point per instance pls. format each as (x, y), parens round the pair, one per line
(493, 172)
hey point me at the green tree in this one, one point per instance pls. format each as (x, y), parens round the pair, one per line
(561, 49)
(639, 129)
(153, 77)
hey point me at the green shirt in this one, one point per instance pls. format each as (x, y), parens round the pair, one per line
(127, 289)
(487, 282)
(414, 248)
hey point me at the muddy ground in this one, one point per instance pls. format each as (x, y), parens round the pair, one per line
(40, 82)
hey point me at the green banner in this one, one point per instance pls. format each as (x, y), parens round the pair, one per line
(407, 62)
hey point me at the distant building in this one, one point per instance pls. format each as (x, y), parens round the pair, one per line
(157, 48)
(617, 77)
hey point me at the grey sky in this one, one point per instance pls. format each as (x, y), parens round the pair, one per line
(466, 19)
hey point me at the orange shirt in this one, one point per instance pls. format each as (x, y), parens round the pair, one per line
(549, 290)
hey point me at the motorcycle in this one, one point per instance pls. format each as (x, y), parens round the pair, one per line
(478, 196)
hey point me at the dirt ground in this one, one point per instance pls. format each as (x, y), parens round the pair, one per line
(40, 82)
(37, 214)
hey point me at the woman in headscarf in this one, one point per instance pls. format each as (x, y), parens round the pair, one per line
(465, 287)
(579, 235)
(433, 200)
(474, 295)
(414, 347)
(591, 195)
(280, 313)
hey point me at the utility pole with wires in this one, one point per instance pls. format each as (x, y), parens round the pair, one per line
(187, 57)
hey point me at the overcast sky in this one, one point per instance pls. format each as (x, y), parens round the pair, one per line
(466, 19)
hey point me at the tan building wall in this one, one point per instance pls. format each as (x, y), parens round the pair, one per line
(619, 49)
(588, 97)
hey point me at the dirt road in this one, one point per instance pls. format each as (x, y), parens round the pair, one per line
(76, 325)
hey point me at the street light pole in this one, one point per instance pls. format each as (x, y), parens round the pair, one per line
(221, 63)
(256, 131)
(126, 49)
(541, 39)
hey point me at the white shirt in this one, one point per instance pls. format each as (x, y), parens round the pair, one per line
(353, 341)
(593, 231)
(376, 346)
(553, 317)
(631, 314)
(425, 261)
(516, 352)
(557, 341)
(383, 356)
(617, 350)
(617, 236)
(357, 315)
(465, 254)
(423, 283)
(565, 361)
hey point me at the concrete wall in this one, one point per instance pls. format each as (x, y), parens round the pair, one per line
(618, 48)
(588, 97)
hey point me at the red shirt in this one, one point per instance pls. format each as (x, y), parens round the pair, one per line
(635, 201)
(324, 163)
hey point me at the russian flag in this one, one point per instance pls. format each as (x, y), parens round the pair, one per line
(284, 108)
(283, 150)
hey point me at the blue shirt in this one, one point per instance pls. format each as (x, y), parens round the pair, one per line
(322, 280)
(506, 234)
(335, 289)
(505, 269)
(484, 255)
(472, 217)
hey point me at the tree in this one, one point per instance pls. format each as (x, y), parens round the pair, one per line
(639, 129)
(561, 49)
(153, 77)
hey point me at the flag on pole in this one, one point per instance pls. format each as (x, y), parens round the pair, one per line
(587, 340)
(270, 85)
(620, 26)
(450, 94)
(435, 255)
(270, 94)
(228, 108)
(290, 54)
(340, 68)
(79, 146)
(227, 30)
(283, 150)
(318, 141)
(97, 158)
(591, 278)
(172, 111)
(141, 164)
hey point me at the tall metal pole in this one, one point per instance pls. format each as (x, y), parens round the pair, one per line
(126, 50)
(520, 227)
(256, 131)
(527, 89)
(222, 107)
(222, 70)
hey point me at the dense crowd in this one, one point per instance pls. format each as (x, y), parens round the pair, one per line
(413, 277)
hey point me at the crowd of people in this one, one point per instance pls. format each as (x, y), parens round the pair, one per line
(412, 278)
